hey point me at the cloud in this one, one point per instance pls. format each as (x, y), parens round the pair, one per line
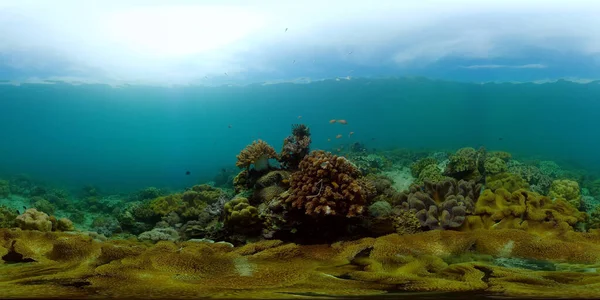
(527, 66)
(189, 41)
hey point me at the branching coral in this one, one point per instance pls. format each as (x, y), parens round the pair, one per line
(258, 154)
(539, 182)
(295, 147)
(441, 204)
(327, 184)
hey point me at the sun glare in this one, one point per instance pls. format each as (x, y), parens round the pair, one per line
(181, 30)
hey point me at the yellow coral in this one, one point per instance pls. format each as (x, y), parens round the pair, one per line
(566, 189)
(258, 154)
(166, 204)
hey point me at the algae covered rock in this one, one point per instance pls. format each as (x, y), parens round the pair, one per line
(7, 217)
(32, 219)
(566, 189)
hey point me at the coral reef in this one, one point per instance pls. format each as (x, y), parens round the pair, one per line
(327, 184)
(295, 147)
(441, 204)
(508, 181)
(442, 261)
(239, 214)
(494, 165)
(524, 210)
(465, 164)
(568, 190)
(159, 234)
(32, 219)
(258, 154)
(7, 217)
(430, 173)
(419, 165)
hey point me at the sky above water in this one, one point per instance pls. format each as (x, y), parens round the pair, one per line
(238, 42)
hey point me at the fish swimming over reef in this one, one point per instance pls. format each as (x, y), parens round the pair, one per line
(343, 122)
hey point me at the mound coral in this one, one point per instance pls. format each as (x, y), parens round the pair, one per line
(568, 190)
(430, 173)
(241, 215)
(327, 184)
(166, 204)
(465, 164)
(505, 156)
(494, 165)
(419, 165)
(441, 204)
(508, 181)
(32, 219)
(295, 147)
(270, 186)
(258, 154)
(523, 210)
(538, 182)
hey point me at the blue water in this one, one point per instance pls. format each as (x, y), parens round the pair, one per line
(125, 138)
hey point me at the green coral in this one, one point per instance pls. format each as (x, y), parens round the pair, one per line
(240, 214)
(7, 217)
(505, 156)
(166, 204)
(593, 222)
(206, 193)
(494, 165)
(4, 189)
(43, 205)
(566, 189)
(380, 209)
(430, 173)
(508, 181)
(418, 166)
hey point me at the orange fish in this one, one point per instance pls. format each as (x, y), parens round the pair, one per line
(343, 122)
(332, 121)
(339, 136)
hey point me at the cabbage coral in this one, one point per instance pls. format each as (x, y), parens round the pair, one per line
(258, 154)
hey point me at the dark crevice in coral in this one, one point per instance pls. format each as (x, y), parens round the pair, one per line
(13, 257)
(487, 273)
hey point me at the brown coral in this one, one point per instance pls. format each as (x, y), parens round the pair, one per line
(441, 204)
(258, 154)
(327, 184)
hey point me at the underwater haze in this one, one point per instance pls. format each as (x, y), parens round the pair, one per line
(135, 136)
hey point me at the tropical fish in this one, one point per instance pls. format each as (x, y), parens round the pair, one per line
(299, 117)
(343, 122)
(286, 30)
(229, 126)
(350, 134)
(188, 172)
(332, 121)
(329, 140)
(339, 136)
